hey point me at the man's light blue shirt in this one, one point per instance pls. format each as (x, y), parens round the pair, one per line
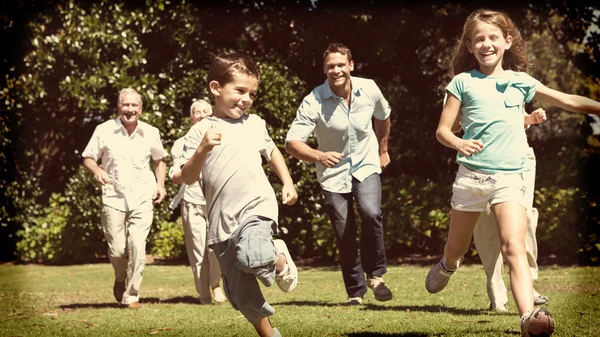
(349, 133)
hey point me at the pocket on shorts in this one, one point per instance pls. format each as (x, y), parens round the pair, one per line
(463, 194)
(514, 182)
(461, 188)
(255, 248)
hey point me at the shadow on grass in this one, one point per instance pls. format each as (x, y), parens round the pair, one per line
(173, 300)
(412, 334)
(148, 300)
(425, 308)
(379, 334)
(91, 306)
(308, 304)
(374, 307)
(419, 334)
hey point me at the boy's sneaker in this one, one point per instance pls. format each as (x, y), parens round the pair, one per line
(287, 279)
(438, 277)
(537, 323)
(381, 291)
(354, 301)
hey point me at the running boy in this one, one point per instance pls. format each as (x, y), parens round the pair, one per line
(242, 207)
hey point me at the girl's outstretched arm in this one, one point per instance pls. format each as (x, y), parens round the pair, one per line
(574, 103)
(444, 132)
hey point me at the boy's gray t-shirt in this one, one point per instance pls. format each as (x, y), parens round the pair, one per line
(233, 180)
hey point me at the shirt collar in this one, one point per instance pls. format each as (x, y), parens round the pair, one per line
(119, 126)
(327, 92)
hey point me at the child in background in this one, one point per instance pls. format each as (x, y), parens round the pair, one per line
(242, 207)
(487, 243)
(489, 90)
(203, 261)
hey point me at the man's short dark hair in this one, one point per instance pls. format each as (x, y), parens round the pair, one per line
(337, 47)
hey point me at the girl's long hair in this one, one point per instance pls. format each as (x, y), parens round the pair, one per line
(514, 58)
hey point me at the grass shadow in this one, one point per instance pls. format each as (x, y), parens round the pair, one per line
(75, 306)
(425, 308)
(147, 300)
(509, 332)
(375, 307)
(380, 334)
(417, 334)
(178, 299)
(309, 304)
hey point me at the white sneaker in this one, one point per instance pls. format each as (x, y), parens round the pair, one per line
(502, 308)
(438, 278)
(354, 301)
(287, 279)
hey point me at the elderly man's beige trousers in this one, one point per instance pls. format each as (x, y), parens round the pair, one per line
(126, 234)
(487, 242)
(204, 263)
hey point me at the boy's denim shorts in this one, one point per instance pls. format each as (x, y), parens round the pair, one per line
(472, 190)
(249, 254)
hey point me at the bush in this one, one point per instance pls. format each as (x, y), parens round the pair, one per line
(168, 241)
(416, 214)
(563, 231)
(41, 237)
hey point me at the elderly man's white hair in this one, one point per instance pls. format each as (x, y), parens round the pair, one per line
(129, 91)
(200, 102)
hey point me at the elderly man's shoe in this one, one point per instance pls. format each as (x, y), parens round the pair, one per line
(134, 305)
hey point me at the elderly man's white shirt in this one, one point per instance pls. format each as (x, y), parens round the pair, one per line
(126, 160)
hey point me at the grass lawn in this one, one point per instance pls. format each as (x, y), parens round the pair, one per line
(78, 301)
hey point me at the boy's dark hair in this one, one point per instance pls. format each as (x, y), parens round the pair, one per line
(224, 66)
(337, 47)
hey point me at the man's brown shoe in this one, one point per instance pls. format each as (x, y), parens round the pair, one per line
(134, 305)
(119, 290)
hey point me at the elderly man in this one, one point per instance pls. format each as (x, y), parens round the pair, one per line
(124, 146)
(349, 158)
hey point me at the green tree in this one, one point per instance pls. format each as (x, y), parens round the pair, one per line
(73, 58)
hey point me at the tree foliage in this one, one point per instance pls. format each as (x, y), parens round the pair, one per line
(73, 57)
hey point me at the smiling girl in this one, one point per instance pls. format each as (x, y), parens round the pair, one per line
(489, 90)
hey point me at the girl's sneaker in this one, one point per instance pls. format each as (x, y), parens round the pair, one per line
(438, 277)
